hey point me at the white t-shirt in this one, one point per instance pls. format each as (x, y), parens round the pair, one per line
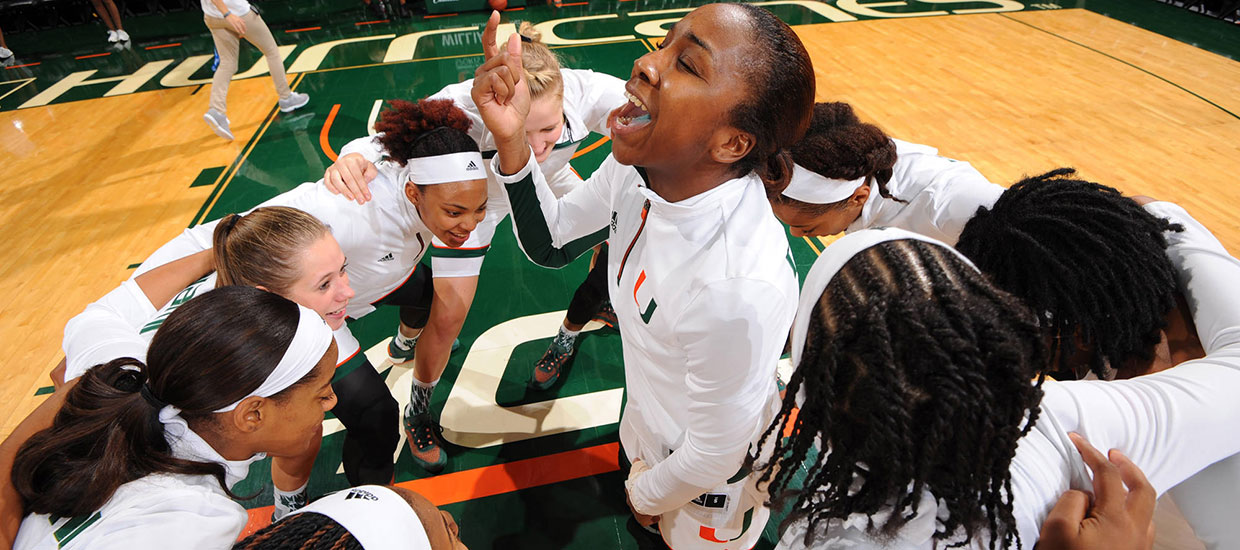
(941, 195)
(235, 7)
(155, 512)
(1172, 424)
(705, 292)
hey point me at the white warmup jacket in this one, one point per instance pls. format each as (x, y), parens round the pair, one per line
(705, 292)
(588, 98)
(1172, 424)
(157, 511)
(382, 240)
(940, 195)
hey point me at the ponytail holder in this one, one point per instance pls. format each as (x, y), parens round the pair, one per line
(526, 39)
(231, 223)
(150, 397)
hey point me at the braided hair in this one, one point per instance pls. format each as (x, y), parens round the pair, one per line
(307, 530)
(916, 376)
(1090, 261)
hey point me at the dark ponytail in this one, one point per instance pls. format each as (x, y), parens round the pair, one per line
(211, 352)
(839, 146)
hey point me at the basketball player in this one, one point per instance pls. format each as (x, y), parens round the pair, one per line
(701, 281)
(145, 454)
(567, 105)
(914, 372)
(849, 175)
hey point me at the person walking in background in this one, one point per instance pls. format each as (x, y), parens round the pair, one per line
(112, 19)
(229, 21)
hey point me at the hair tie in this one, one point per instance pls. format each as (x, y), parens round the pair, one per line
(230, 223)
(150, 398)
(526, 39)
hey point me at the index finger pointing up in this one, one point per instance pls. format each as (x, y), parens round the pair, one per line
(489, 48)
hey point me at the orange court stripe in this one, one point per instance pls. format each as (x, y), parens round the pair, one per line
(515, 9)
(303, 29)
(492, 480)
(326, 145)
(592, 146)
(440, 15)
(93, 55)
(25, 65)
(172, 45)
(573, 4)
(370, 22)
(514, 476)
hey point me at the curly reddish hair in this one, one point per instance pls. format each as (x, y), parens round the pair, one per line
(424, 128)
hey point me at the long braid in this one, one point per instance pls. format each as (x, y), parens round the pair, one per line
(1091, 261)
(309, 531)
(917, 377)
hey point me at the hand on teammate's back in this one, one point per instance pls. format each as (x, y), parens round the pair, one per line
(1120, 519)
(350, 176)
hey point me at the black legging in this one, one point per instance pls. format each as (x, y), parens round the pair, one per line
(365, 406)
(369, 414)
(591, 293)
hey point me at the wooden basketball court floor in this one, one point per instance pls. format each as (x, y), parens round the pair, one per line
(91, 187)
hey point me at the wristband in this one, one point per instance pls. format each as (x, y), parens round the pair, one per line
(226, 14)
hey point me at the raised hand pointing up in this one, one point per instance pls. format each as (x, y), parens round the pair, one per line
(503, 97)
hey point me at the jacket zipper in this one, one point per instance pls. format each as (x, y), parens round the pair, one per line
(640, 228)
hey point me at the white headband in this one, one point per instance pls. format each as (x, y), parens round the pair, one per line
(813, 188)
(444, 169)
(311, 341)
(376, 516)
(831, 262)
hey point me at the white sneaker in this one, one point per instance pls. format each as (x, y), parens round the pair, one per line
(293, 102)
(5, 53)
(113, 38)
(218, 123)
(122, 35)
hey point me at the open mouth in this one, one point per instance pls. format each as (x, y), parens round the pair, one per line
(631, 115)
(338, 314)
(460, 237)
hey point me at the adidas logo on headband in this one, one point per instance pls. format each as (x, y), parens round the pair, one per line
(359, 493)
(471, 166)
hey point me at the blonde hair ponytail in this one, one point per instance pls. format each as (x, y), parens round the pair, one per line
(542, 67)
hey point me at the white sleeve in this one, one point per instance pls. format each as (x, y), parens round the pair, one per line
(1208, 499)
(732, 333)
(1176, 422)
(196, 521)
(553, 232)
(191, 241)
(601, 93)
(957, 197)
(107, 330)
(369, 147)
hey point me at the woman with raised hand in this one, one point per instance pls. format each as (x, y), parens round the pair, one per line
(850, 175)
(922, 420)
(566, 105)
(145, 454)
(701, 281)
